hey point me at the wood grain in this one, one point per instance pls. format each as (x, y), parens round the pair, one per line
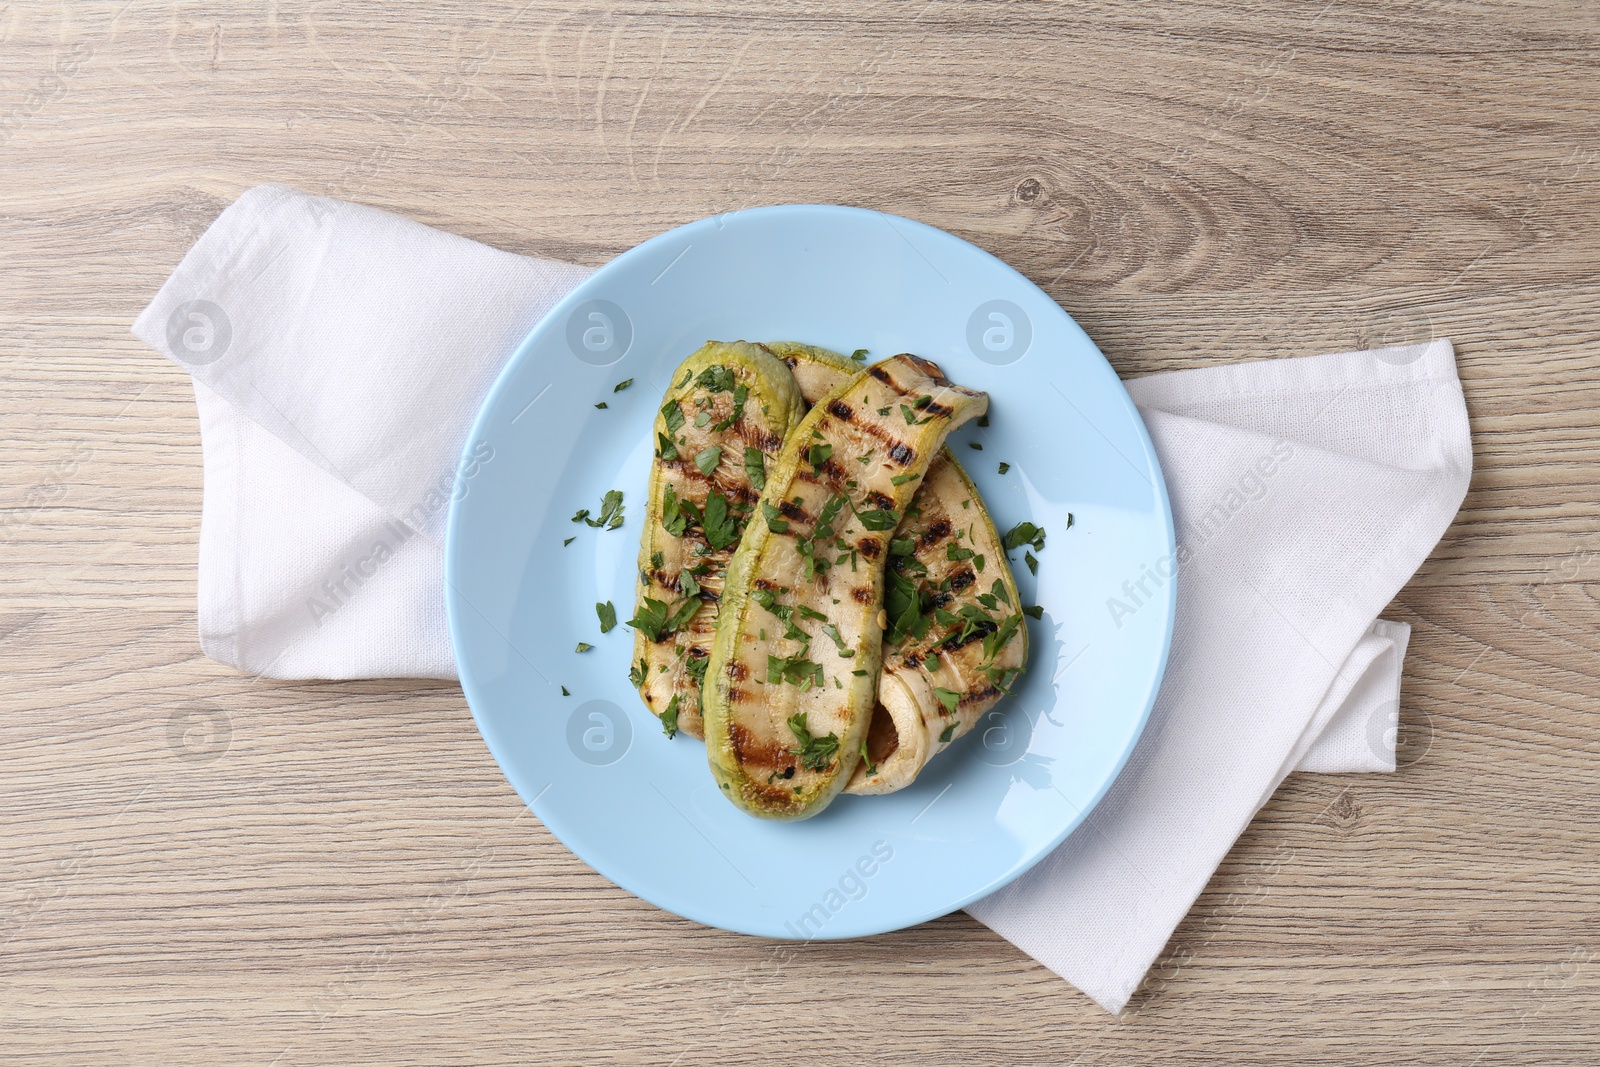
(203, 868)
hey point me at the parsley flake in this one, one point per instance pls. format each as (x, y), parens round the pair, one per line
(674, 416)
(610, 512)
(720, 527)
(816, 753)
(755, 468)
(655, 619)
(1024, 533)
(608, 616)
(707, 460)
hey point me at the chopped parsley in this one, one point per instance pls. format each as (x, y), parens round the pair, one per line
(669, 717)
(1032, 561)
(665, 448)
(816, 753)
(949, 732)
(994, 642)
(674, 416)
(620, 386)
(740, 395)
(568, 541)
(610, 512)
(687, 585)
(1034, 611)
(1024, 533)
(818, 455)
(755, 468)
(774, 523)
(879, 519)
(656, 620)
(902, 479)
(796, 670)
(601, 405)
(676, 513)
(832, 631)
(975, 446)
(716, 379)
(859, 355)
(583, 646)
(564, 692)
(720, 527)
(955, 553)
(707, 460)
(608, 616)
(949, 698)
(1004, 467)
(872, 768)
(638, 674)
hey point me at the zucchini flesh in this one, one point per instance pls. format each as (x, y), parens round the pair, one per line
(934, 687)
(719, 426)
(793, 674)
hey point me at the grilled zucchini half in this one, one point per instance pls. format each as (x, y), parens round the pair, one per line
(724, 418)
(936, 681)
(792, 679)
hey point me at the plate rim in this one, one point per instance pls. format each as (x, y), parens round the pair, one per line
(583, 291)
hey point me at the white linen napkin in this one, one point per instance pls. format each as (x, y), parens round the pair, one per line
(339, 353)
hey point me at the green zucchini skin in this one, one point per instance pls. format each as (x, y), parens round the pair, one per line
(666, 663)
(758, 756)
(911, 724)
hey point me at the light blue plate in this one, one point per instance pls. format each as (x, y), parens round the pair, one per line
(595, 767)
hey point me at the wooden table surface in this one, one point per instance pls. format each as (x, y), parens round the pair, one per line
(198, 867)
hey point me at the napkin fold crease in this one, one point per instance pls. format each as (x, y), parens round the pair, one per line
(339, 353)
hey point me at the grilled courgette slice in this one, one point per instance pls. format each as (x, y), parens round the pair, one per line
(720, 424)
(936, 681)
(792, 679)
